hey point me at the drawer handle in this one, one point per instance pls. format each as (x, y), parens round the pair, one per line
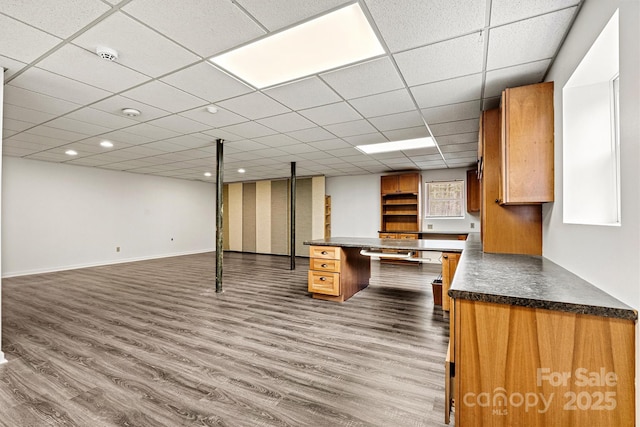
(322, 279)
(324, 265)
(324, 252)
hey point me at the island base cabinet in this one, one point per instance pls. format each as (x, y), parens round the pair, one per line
(519, 366)
(337, 273)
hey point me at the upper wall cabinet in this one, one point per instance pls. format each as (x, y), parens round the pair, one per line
(473, 192)
(526, 145)
(405, 183)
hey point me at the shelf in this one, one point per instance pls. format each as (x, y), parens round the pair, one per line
(401, 214)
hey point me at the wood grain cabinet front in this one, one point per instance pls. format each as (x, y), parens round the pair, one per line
(526, 145)
(337, 273)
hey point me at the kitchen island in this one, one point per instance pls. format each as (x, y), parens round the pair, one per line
(339, 267)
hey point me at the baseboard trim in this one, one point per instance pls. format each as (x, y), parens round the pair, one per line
(98, 264)
(2, 359)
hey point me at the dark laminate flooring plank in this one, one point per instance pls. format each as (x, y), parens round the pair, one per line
(151, 344)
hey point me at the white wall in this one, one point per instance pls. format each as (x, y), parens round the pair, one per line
(56, 217)
(608, 257)
(2, 359)
(355, 205)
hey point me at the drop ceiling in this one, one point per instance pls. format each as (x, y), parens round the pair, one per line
(445, 61)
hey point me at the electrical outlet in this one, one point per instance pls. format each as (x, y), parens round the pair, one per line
(472, 225)
(117, 248)
(429, 226)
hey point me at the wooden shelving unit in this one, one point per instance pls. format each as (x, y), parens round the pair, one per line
(327, 217)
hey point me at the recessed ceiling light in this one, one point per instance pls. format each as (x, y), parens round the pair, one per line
(207, 174)
(333, 40)
(241, 170)
(71, 153)
(130, 112)
(106, 144)
(211, 109)
(407, 144)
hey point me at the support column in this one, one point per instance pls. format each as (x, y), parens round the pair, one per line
(219, 217)
(292, 209)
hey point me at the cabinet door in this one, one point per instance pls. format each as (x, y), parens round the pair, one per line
(408, 183)
(389, 184)
(449, 265)
(527, 144)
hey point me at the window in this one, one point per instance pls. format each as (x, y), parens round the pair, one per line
(590, 141)
(445, 199)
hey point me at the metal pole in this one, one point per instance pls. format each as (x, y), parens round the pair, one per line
(292, 190)
(219, 217)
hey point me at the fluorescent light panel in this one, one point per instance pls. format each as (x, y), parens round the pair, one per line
(407, 144)
(338, 38)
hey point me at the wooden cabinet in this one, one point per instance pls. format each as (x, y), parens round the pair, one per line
(521, 366)
(337, 273)
(473, 191)
(449, 265)
(400, 203)
(526, 144)
(403, 183)
(505, 229)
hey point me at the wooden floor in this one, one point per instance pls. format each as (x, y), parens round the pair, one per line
(151, 344)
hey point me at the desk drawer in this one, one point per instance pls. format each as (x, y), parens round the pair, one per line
(408, 236)
(324, 283)
(325, 252)
(321, 264)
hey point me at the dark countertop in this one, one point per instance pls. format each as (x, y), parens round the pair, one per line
(399, 244)
(529, 281)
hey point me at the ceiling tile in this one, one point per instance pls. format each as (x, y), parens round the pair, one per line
(101, 118)
(50, 156)
(26, 114)
(520, 75)
(249, 130)
(461, 138)
(71, 125)
(17, 151)
(397, 121)
(138, 47)
(165, 97)
(245, 145)
(62, 17)
(332, 113)
(47, 141)
(79, 64)
(11, 66)
(206, 26)
(414, 23)
(254, 106)
(408, 133)
(452, 112)
(46, 83)
(471, 146)
(116, 104)
(357, 127)
(364, 79)
(302, 94)
(330, 144)
(166, 145)
(277, 140)
(16, 125)
(92, 146)
(126, 137)
(179, 124)
(207, 82)
(382, 104)
(36, 101)
(219, 119)
(452, 58)
(22, 42)
(298, 149)
(287, 122)
(450, 128)
(311, 135)
(223, 134)
(152, 132)
(505, 11)
(190, 141)
(541, 36)
(445, 92)
(369, 138)
(276, 14)
(50, 132)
